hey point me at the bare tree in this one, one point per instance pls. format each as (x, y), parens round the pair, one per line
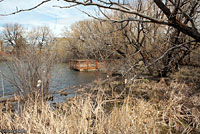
(97, 40)
(40, 37)
(13, 36)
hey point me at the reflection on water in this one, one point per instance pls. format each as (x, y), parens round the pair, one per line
(62, 77)
(5, 86)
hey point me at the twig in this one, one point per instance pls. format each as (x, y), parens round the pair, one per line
(117, 7)
(2, 83)
(172, 48)
(25, 10)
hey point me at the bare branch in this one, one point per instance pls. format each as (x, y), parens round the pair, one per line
(158, 59)
(175, 47)
(185, 14)
(118, 8)
(74, 5)
(193, 32)
(172, 21)
(25, 10)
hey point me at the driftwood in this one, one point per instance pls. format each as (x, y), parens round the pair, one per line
(11, 99)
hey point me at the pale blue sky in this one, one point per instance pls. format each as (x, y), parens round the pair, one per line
(53, 17)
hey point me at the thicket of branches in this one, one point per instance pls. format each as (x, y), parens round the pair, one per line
(161, 48)
(163, 33)
(15, 36)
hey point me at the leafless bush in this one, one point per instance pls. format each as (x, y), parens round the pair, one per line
(31, 71)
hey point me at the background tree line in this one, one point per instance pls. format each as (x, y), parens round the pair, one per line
(17, 38)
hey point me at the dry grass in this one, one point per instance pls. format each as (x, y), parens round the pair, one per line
(190, 74)
(165, 109)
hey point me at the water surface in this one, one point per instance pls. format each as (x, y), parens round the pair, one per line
(62, 77)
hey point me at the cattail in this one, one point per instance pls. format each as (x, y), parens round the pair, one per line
(39, 83)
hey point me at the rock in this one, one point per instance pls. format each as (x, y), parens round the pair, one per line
(49, 98)
(64, 93)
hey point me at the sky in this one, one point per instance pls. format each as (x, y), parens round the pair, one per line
(46, 14)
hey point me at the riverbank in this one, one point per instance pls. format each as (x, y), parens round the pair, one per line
(111, 105)
(140, 106)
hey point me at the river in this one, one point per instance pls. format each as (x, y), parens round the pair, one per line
(62, 77)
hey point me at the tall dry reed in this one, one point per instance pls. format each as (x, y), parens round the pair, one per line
(96, 112)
